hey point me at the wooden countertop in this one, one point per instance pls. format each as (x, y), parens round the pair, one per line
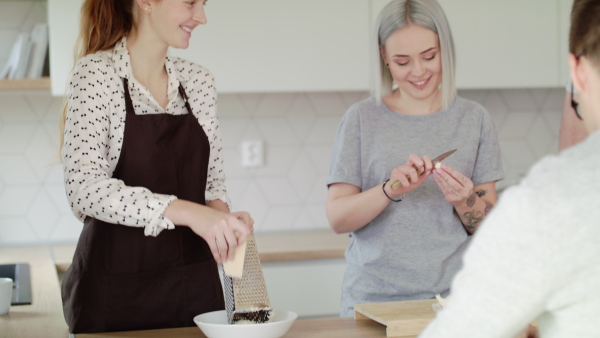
(301, 245)
(313, 328)
(44, 317)
(272, 247)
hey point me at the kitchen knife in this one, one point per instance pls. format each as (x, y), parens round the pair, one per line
(396, 184)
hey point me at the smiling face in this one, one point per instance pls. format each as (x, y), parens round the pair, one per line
(415, 62)
(174, 20)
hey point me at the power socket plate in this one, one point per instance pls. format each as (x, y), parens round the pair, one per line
(252, 153)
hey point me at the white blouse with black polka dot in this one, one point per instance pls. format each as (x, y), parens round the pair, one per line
(94, 136)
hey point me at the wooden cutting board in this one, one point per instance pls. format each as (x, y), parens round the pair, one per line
(402, 319)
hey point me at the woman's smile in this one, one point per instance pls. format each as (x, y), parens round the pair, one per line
(414, 60)
(420, 84)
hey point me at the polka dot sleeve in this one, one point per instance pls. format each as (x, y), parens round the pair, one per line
(93, 139)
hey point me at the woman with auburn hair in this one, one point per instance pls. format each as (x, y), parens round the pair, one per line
(408, 232)
(143, 171)
(537, 255)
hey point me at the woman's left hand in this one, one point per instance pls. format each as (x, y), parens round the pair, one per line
(246, 218)
(457, 188)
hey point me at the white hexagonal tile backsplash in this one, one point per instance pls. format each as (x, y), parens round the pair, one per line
(288, 192)
(297, 130)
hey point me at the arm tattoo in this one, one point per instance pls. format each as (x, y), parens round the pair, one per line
(488, 208)
(471, 200)
(481, 193)
(472, 220)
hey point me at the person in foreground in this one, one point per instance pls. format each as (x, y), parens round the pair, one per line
(537, 255)
(407, 240)
(572, 129)
(143, 170)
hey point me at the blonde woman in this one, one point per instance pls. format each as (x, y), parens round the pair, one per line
(407, 239)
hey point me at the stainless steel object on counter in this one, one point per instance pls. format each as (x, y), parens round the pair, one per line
(246, 298)
(20, 275)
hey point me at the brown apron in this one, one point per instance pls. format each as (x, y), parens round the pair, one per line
(122, 280)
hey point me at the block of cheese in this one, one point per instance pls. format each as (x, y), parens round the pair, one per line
(235, 267)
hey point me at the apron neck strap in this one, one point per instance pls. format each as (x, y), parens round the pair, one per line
(129, 104)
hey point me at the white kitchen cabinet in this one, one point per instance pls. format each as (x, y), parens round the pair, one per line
(564, 22)
(504, 44)
(256, 46)
(63, 24)
(311, 288)
(323, 45)
(284, 45)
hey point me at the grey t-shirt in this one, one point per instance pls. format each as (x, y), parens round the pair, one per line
(412, 249)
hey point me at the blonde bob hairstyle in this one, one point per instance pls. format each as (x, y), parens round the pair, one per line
(401, 13)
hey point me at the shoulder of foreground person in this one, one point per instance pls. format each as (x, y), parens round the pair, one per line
(572, 168)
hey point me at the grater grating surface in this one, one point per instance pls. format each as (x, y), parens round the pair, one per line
(246, 298)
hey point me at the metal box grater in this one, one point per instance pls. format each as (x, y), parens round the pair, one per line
(246, 298)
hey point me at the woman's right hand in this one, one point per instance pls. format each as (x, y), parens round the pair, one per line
(408, 174)
(222, 231)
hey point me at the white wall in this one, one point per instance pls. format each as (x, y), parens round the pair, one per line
(297, 129)
(287, 193)
(321, 45)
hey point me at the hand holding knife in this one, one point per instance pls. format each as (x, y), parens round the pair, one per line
(396, 184)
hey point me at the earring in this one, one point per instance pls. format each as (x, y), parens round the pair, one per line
(148, 9)
(387, 65)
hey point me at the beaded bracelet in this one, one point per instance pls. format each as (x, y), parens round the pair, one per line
(386, 195)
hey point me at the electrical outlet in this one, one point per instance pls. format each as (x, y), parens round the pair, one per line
(252, 154)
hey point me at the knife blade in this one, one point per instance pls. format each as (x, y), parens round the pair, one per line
(396, 184)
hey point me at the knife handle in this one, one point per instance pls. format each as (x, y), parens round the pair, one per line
(396, 184)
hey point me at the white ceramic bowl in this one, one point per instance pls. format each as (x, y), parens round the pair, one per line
(214, 325)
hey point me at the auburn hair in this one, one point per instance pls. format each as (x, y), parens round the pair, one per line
(103, 23)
